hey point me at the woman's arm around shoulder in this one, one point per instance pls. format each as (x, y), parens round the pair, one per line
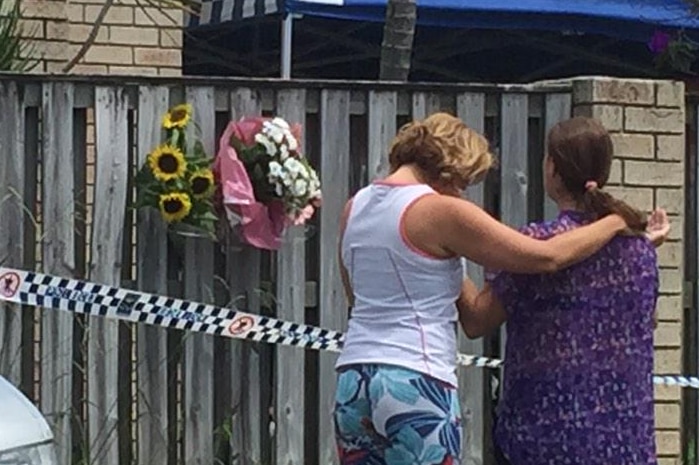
(446, 226)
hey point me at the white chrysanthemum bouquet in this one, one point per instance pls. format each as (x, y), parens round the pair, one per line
(266, 183)
(289, 173)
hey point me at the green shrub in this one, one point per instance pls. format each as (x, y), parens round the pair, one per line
(16, 54)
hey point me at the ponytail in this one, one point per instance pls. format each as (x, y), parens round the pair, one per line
(599, 203)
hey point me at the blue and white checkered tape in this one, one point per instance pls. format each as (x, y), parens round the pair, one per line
(89, 298)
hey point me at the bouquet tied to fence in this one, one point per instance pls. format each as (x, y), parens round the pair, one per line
(266, 184)
(177, 178)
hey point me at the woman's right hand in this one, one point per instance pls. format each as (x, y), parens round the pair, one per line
(658, 227)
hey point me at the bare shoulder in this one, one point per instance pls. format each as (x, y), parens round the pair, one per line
(436, 207)
(431, 219)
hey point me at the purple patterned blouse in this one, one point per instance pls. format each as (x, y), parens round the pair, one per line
(578, 386)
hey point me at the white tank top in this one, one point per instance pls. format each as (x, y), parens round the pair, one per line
(404, 310)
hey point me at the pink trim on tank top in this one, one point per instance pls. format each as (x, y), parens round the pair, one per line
(383, 182)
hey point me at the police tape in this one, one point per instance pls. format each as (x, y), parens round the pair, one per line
(89, 298)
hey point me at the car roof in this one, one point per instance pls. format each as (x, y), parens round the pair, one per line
(21, 423)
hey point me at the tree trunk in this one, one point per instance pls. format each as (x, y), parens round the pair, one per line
(397, 44)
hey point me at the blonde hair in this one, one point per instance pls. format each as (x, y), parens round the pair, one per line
(448, 152)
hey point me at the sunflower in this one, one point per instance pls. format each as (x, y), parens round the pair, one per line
(202, 183)
(167, 162)
(175, 207)
(178, 116)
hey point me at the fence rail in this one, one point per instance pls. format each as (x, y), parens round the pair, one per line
(115, 393)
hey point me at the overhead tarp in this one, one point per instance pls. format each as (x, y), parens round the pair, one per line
(213, 12)
(629, 19)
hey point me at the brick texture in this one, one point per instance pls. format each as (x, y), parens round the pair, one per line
(647, 122)
(132, 39)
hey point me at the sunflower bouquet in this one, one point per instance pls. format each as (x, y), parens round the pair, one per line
(177, 179)
(266, 183)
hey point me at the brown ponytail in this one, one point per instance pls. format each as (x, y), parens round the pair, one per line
(599, 203)
(582, 152)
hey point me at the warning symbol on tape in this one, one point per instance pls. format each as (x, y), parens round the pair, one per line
(9, 284)
(241, 325)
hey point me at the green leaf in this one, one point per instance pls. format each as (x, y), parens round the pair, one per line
(175, 137)
(209, 216)
(258, 172)
(198, 149)
(16, 54)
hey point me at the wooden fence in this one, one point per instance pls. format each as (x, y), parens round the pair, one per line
(118, 393)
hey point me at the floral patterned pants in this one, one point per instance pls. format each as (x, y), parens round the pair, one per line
(387, 415)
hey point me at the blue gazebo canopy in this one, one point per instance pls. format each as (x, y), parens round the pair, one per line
(619, 18)
(630, 19)
(512, 40)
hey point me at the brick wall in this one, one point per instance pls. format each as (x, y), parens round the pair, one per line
(648, 123)
(134, 38)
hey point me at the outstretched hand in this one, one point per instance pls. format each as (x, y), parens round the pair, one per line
(658, 227)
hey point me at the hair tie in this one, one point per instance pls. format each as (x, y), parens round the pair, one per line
(591, 185)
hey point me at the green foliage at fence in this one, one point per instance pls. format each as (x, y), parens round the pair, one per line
(16, 53)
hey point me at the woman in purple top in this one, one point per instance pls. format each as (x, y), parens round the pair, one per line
(578, 385)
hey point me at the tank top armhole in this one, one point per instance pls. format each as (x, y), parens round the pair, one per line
(404, 234)
(344, 218)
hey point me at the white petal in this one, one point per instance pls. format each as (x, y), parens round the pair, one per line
(280, 122)
(283, 152)
(300, 187)
(271, 149)
(278, 136)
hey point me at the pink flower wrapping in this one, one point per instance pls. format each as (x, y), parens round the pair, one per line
(260, 225)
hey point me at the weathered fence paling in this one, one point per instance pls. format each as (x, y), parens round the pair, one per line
(515, 168)
(249, 408)
(152, 262)
(111, 173)
(12, 221)
(58, 256)
(334, 171)
(197, 400)
(198, 286)
(471, 109)
(291, 279)
(382, 129)
(558, 108)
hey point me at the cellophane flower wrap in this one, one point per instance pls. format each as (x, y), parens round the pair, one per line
(266, 184)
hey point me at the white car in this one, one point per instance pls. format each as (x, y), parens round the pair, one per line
(25, 436)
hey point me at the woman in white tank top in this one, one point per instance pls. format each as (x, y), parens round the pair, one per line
(400, 248)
